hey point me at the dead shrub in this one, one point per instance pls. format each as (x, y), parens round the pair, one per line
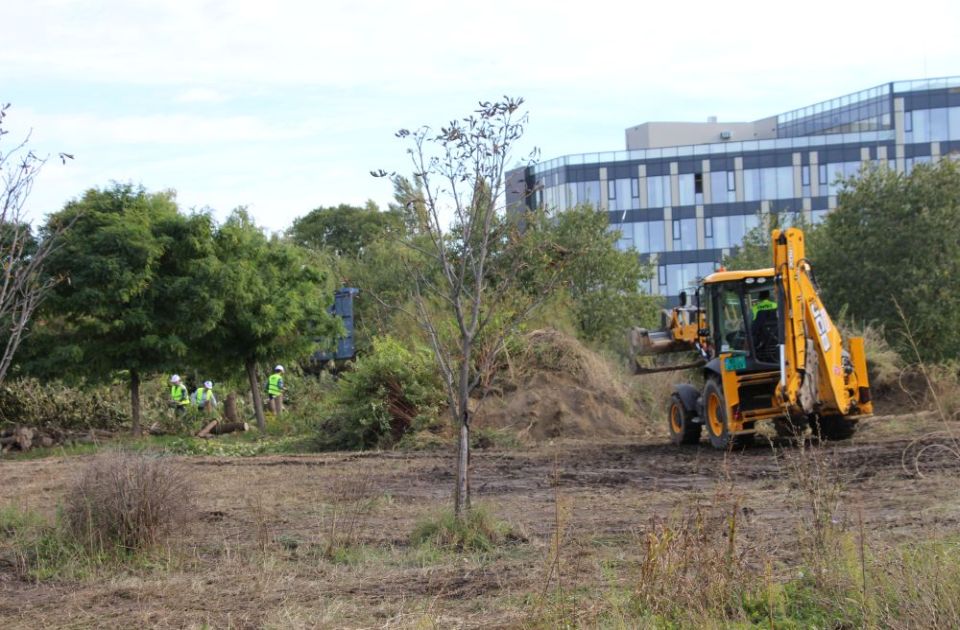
(127, 501)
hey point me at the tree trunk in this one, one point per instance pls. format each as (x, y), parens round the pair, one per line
(257, 399)
(463, 470)
(230, 408)
(462, 500)
(135, 401)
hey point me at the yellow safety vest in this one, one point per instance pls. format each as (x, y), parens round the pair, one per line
(275, 384)
(178, 393)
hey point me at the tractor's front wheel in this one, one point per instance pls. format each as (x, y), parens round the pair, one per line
(683, 430)
(715, 412)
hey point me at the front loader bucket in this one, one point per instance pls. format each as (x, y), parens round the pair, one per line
(645, 342)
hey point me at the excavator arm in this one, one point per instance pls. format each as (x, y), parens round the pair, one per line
(816, 373)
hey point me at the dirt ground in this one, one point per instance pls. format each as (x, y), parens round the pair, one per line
(255, 558)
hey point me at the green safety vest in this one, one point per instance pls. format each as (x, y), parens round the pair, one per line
(202, 395)
(178, 393)
(764, 305)
(275, 384)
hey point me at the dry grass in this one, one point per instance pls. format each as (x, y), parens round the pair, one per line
(128, 501)
(624, 535)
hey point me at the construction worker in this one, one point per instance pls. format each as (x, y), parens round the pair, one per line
(763, 303)
(179, 396)
(204, 399)
(275, 390)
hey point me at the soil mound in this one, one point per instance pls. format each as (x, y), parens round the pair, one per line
(558, 388)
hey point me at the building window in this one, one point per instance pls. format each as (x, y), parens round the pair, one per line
(635, 188)
(731, 181)
(805, 175)
(822, 174)
(611, 189)
(662, 275)
(676, 229)
(908, 121)
(658, 191)
(686, 189)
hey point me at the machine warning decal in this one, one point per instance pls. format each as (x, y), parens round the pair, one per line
(822, 323)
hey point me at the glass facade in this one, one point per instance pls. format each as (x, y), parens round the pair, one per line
(684, 207)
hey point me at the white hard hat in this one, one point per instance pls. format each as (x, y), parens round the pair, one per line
(208, 384)
(175, 379)
(279, 368)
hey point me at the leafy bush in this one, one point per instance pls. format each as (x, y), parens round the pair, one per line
(392, 390)
(128, 501)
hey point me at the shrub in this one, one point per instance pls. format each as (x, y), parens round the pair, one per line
(128, 501)
(392, 390)
(53, 404)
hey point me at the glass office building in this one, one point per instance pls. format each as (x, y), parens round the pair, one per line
(684, 194)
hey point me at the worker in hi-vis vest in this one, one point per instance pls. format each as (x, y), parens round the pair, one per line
(763, 303)
(275, 390)
(179, 396)
(204, 399)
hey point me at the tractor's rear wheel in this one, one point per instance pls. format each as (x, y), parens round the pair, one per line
(683, 430)
(833, 427)
(715, 412)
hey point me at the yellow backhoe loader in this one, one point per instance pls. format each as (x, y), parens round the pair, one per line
(768, 351)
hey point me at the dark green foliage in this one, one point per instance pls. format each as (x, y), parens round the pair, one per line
(140, 287)
(393, 389)
(275, 296)
(346, 230)
(274, 304)
(895, 239)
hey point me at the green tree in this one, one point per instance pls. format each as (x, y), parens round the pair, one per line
(137, 292)
(895, 239)
(345, 229)
(756, 251)
(274, 299)
(603, 282)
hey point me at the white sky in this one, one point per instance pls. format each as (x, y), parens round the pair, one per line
(284, 106)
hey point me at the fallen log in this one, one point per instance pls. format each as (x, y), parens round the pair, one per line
(229, 427)
(205, 431)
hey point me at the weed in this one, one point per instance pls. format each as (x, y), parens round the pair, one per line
(350, 506)
(128, 501)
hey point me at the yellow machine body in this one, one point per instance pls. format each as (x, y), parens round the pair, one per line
(769, 351)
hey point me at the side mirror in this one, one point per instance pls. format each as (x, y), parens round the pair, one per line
(703, 332)
(683, 298)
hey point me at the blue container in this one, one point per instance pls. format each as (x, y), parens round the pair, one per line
(342, 308)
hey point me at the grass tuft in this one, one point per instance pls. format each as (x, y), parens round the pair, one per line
(478, 530)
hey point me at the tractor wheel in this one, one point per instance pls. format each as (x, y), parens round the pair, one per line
(715, 412)
(833, 427)
(683, 430)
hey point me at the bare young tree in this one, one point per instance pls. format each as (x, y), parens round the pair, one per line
(23, 284)
(466, 285)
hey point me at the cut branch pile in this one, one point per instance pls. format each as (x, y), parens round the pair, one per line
(22, 438)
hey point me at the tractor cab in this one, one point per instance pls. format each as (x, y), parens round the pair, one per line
(741, 318)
